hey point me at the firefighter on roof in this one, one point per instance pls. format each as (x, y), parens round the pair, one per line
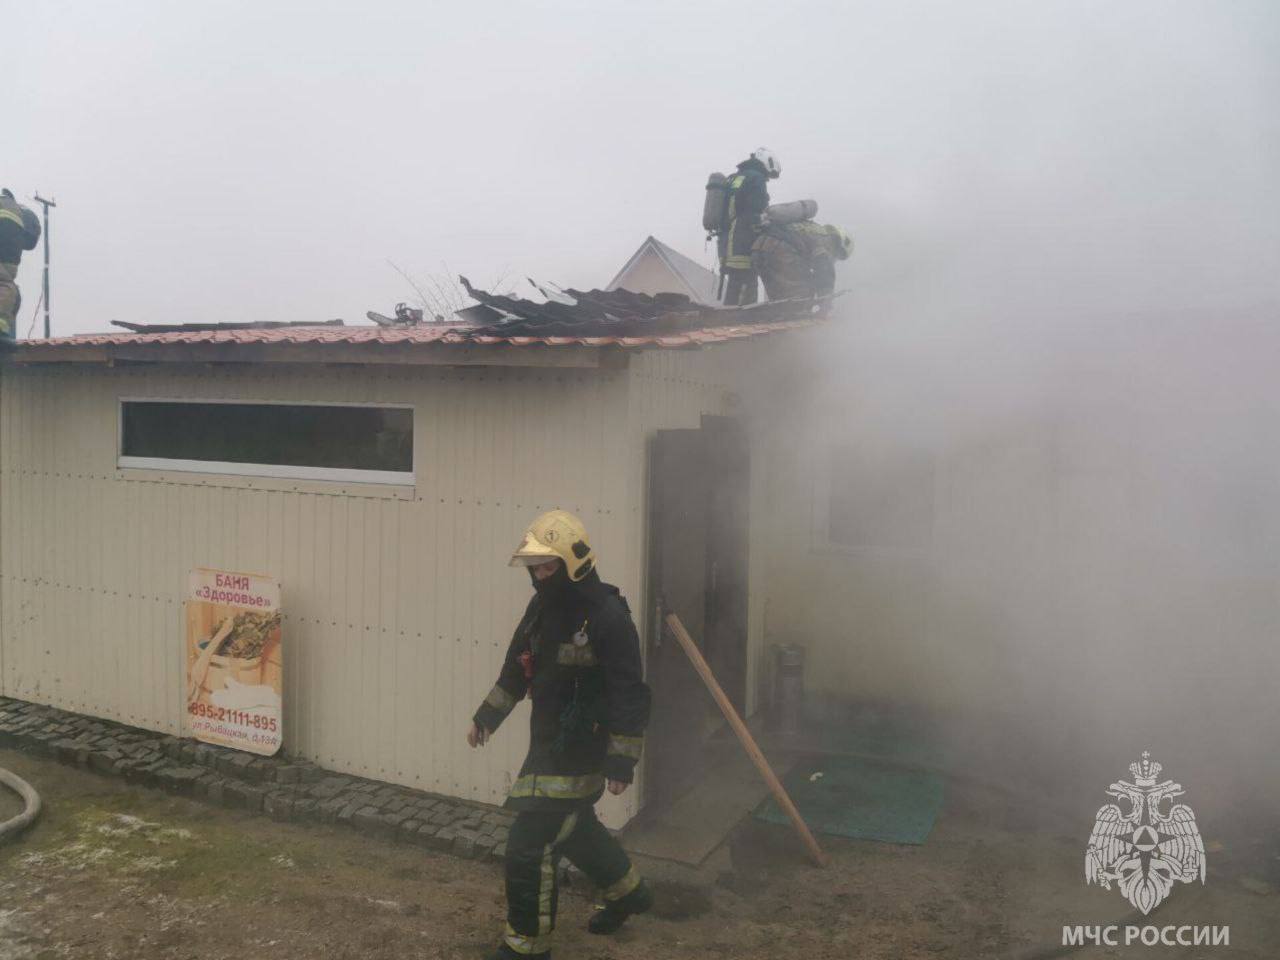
(19, 232)
(576, 655)
(746, 199)
(799, 259)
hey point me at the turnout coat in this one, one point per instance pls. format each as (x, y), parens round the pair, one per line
(576, 654)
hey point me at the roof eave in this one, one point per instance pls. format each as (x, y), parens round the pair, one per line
(397, 354)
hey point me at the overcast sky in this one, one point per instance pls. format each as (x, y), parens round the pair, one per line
(254, 161)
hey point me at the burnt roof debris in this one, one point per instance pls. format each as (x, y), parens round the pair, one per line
(619, 313)
(566, 312)
(197, 327)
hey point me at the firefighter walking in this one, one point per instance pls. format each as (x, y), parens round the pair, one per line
(577, 655)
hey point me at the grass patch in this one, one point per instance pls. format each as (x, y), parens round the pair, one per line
(129, 835)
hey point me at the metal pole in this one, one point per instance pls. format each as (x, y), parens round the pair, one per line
(744, 735)
(46, 204)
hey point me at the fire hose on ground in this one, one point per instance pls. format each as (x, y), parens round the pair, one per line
(30, 802)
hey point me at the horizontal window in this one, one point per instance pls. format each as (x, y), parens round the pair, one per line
(362, 444)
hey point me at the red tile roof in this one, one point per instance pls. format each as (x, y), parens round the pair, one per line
(410, 337)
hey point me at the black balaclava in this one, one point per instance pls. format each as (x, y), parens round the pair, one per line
(589, 588)
(558, 588)
(553, 587)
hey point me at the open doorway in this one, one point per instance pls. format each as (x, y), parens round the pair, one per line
(699, 482)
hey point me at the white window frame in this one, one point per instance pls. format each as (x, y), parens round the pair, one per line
(272, 470)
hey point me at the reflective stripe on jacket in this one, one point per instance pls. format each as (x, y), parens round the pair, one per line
(748, 199)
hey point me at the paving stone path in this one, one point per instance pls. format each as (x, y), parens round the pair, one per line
(279, 787)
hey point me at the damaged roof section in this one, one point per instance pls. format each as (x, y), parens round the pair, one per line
(620, 313)
(586, 328)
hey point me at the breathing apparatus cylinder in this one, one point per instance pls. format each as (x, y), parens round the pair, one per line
(792, 212)
(715, 206)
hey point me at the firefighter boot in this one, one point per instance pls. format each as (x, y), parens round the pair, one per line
(615, 912)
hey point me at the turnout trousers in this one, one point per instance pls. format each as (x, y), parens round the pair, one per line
(537, 841)
(10, 301)
(739, 276)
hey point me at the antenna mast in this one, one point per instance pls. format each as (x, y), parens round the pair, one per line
(46, 204)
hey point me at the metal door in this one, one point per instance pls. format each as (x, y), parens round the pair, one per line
(697, 570)
(725, 626)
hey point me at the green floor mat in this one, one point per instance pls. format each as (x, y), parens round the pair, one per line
(862, 799)
(878, 733)
(909, 747)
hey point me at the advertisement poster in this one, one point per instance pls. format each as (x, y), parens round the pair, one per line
(234, 677)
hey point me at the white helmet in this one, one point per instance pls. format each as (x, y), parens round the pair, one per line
(771, 163)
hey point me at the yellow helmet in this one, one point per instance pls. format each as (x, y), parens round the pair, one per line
(560, 535)
(843, 242)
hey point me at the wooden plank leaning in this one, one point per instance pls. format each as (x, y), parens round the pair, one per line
(744, 735)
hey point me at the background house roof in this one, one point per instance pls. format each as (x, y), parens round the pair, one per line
(688, 276)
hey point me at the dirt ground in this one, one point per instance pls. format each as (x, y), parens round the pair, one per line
(113, 871)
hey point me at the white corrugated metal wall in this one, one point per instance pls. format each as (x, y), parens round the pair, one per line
(398, 603)
(672, 390)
